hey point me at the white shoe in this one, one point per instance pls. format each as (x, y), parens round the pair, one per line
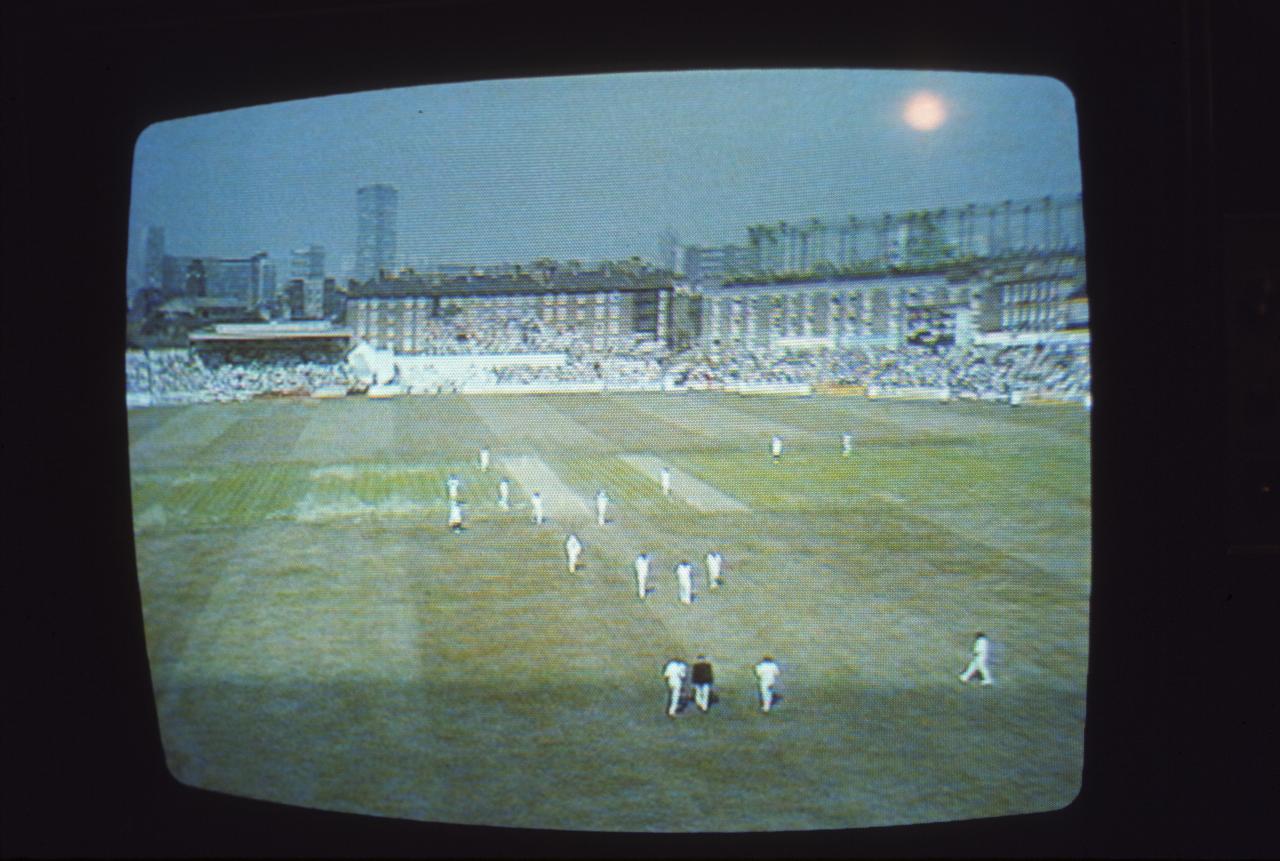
(988, 682)
(963, 679)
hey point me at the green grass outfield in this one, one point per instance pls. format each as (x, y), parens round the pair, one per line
(317, 637)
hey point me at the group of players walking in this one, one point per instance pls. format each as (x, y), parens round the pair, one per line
(701, 678)
(677, 672)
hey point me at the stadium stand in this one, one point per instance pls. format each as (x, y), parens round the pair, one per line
(1059, 372)
(179, 376)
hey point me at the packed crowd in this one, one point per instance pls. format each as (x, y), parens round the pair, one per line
(984, 372)
(180, 376)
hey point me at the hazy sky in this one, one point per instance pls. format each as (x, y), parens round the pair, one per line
(595, 167)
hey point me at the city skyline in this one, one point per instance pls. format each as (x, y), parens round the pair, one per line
(597, 167)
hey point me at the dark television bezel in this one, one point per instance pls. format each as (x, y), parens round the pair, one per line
(91, 778)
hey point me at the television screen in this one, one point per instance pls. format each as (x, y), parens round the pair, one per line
(701, 451)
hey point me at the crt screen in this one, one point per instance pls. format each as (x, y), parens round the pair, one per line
(695, 451)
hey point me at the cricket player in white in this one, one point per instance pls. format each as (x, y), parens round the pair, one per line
(453, 484)
(675, 672)
(846, 444)
(536, 499)
(666, 481)
(504, 495)
(642, 574)
(455, 515)
(776, 448)
(715, 564)
(602, 505)
(684, 575)
(767, 673)
(573, 549)
(981, 651)
(484, 460)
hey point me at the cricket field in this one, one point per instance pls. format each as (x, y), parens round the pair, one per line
(318, 637)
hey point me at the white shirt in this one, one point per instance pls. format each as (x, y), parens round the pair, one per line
(642, 567)
(453, 485)
(777, 445)
(666, 480)
(981, 647)
(767, 672)
(573, 546)
(847, 442)
(675, 672)
(713, 564)
(601, 499)
(684, 570)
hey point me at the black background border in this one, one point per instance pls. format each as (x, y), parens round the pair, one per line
(1175, 727)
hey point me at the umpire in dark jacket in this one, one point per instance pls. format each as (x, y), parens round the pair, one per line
(702, 678)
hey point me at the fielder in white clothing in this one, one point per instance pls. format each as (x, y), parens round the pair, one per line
(666, 481)
(675, 672)
(602, 505)
(504, 494)
(846, 444)
(453, 484)
(455, 515)
(642, 574)
(573, 549)
(776, 448)
(684, 576)
(484, 460)
(981, 651)
(715, 565)
(536, 500)
(767, 673)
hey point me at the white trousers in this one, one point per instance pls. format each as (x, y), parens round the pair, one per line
(766, 696)
(640, 585)
(600, 516)
(573, 562)
(979, 666)
(675, 698)
(686, 591)
(702, 696)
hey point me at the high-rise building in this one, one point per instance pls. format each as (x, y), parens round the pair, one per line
(248, 281)
(376, 207)
(153, 258)
(308, 262)
(669, 250)
(307, 266)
